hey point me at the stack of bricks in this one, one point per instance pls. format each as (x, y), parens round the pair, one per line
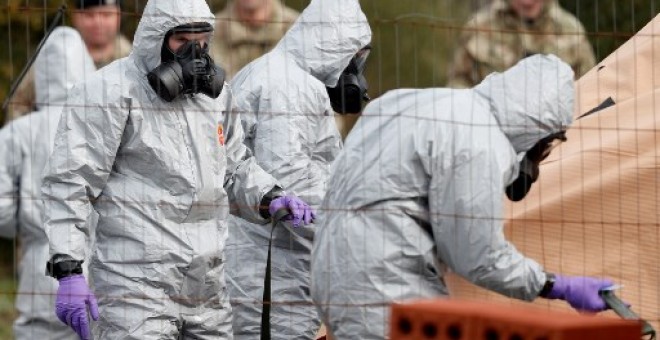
(464, 320)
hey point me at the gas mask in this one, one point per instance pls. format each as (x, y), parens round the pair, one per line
(351, 89)
(529, 166)
(188, 70)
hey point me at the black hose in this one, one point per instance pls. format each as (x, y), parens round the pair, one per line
(14, 86)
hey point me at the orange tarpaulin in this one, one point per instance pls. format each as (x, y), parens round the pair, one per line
(594, 210)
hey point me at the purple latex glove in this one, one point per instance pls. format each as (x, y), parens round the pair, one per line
(582, 293)
(73, 298)
(299, 211)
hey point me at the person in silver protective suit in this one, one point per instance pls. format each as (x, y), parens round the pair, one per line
(152, 144)
(25, 145)
(287, 100)
(419, 189)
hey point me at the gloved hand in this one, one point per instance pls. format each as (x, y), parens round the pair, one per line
(73, 298)
(299, 211)
(582, 293)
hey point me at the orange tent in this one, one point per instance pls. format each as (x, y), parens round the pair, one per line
(595, 209)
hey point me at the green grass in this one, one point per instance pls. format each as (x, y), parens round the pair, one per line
(7, 287)
(7, 311)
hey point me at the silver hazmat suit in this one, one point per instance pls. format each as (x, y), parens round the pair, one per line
(161, 177)
(25, 145)
(419, 189)
(289, 124)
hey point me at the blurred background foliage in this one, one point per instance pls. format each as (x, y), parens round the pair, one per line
(413, 42)
(610, 23)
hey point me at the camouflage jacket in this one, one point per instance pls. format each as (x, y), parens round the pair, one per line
(235, 44)
(496, 39)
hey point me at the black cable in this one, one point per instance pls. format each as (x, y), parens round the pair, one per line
(267, 299)
(14, 86)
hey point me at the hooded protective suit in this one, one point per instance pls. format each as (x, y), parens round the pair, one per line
(161, 176)
(419, 188)
(25, 145)
(289, 124)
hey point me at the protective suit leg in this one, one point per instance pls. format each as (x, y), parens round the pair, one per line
(362, 261)
(208, 323)
(41, 329)
(245, 282)
(136, 308)
(128, 309)
(173, 290)
(293, 315)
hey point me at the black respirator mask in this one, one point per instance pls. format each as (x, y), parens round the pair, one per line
(189, 69)
(351, 89)
(529, 166)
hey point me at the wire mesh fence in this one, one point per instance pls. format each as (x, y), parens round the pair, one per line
(597, 197)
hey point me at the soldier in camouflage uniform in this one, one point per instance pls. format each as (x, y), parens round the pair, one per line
(93, 19)
(247, 29)
(498, 36)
